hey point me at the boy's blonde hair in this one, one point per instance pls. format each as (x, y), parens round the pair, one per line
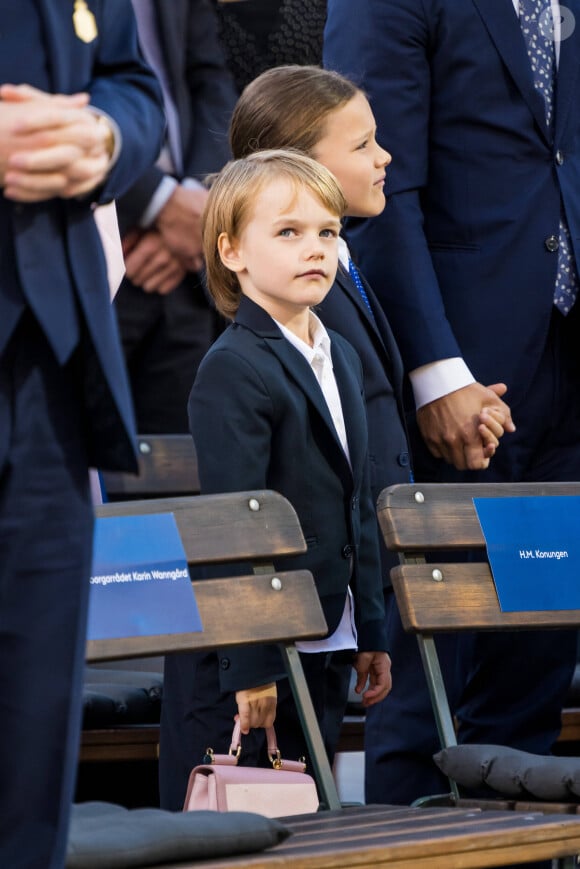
(231, 199)
(287, 107)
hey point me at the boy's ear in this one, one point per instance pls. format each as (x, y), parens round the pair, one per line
(229, 252)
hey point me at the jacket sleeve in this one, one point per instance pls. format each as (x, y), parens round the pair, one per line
(232, 431)
(384, 45)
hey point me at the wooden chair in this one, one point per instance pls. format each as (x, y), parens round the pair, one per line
(395, 837)
(268, 606)
(260, 526)
(420, 520)
(167, 468)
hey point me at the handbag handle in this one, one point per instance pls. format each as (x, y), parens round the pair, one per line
(272, 742)
(273, 751)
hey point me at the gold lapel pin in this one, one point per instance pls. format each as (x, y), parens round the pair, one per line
(84, 22)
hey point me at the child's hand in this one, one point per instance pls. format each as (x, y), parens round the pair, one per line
(376, 668)
(494, 421)
(256, 707)
(491, 429)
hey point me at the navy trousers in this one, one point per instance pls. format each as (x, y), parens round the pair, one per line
(45, 556)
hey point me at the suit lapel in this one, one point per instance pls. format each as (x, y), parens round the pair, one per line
(57, 21)
(351, 400)
(172, 28)
(296, 366)
(504, 29)
(347, 284)
(569, 66)
(379, 326)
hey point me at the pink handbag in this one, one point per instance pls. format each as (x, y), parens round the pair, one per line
(223, 786)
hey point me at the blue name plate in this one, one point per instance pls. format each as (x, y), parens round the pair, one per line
(533, 546)
(140, 583)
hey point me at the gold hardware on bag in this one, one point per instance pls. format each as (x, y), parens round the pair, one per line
(84, 22)
(276, 759)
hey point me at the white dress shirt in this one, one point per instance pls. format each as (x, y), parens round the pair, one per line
(320, 360)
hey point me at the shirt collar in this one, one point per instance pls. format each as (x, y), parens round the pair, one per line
(320, 339)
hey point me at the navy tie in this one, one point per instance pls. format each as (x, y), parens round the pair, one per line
(355, 275)
(537, 28)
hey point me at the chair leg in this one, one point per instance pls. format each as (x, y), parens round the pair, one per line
(312, 734)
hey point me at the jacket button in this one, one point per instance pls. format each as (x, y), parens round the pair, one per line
(559, 157)
(347, 550)
(225, 663)
(552, 243)
(403, 460)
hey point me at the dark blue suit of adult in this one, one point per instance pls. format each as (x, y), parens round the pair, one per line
(271, 428)
(166, 336)
(64, 404)
(463, 261)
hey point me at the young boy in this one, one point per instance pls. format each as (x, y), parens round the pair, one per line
(277, 403)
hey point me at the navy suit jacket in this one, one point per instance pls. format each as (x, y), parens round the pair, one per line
(204, 95)
(344, 311)
(259, 420)
(459, 256)
(56, 266)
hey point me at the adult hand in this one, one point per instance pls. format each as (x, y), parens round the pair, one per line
(374, 668)
(179, 222)
(256, 707)
(50, 145)
(450, 424)
(150, 264)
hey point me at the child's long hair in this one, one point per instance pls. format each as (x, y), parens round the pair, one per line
(231, 199)
(286, 107)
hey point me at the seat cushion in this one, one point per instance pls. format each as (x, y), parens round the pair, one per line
(107, 836)
(115, 697)
(510, 772)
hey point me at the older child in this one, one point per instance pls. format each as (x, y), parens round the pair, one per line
(277, 403)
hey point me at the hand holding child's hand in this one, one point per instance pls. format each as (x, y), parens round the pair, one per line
(256, 707)
(376, 668)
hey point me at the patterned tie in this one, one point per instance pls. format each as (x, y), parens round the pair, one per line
(536, 24)
(354, 273)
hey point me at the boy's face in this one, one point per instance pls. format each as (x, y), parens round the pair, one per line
(351, 152)
(286, 256)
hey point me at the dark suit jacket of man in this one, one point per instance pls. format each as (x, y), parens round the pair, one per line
(271, 428)
(57, 266)
(460, 258)
(203, 93)
(344, 311)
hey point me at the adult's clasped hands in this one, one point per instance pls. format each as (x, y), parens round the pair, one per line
(464, 427)
(51, 145)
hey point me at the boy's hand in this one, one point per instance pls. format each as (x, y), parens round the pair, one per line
(374, 667)
(256, 707)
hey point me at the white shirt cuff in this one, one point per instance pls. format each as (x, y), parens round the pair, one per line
(158, 201)
(439, 378)
(116, 130)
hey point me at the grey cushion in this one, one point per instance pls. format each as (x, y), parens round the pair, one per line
(114, 697)
(512, 773)
(469, 765)
(549, 778)
(107, 836)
